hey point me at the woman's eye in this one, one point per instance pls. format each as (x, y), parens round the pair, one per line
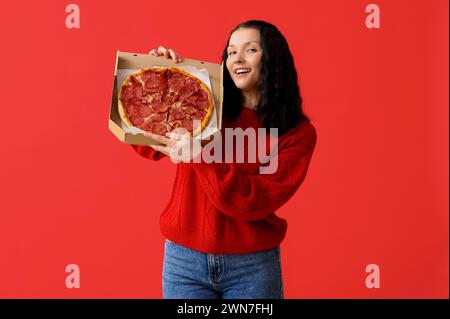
(231, 53)
(252, 50)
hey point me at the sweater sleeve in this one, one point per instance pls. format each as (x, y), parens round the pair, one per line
(148, 152)
(252, 197)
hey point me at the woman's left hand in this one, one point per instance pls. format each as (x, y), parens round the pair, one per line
(179, 147)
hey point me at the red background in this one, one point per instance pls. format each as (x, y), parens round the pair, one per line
(376, 191)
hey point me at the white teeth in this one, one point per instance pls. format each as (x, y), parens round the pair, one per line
(240, 71)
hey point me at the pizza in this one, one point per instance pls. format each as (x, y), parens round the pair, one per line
(161, 99)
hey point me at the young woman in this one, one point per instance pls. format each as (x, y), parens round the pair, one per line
(223, 236)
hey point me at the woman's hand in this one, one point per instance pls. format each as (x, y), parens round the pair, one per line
(167, 53)
(179, 147)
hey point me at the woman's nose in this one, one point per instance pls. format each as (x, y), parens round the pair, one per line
(238, 58)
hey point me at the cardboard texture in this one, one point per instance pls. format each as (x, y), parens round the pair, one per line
(126, 60)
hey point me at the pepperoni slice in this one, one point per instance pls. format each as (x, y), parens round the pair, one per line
(159, 117)
(160, 108)
(132, 94)
(186, 91)
(127, 93)
(137, 120)
(185, 103)
(143, 110)
(138, 109)
(134, 81)
(191, 82)
(187, 124)
(159, 86)
(132, 108)
(170, 98)
(147, 124)
(192, 99)
(202, 95)
(176, 114)
(151, 89)
(197, 115)
(158, 128)
(154, 82)
(175, 81)
(156, 98)
(202, 104)
(190, 110)
(149, 76)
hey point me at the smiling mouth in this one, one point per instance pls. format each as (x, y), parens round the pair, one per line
(240, 72)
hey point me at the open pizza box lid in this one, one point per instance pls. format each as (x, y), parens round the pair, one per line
(126, 60)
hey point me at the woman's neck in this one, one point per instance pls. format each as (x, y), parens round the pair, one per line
(250, 99)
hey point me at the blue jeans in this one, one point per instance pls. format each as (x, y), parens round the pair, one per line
(190, 274)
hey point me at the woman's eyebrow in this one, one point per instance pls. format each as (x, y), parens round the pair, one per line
(232, 45)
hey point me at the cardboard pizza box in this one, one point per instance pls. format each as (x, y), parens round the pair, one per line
(126, 60)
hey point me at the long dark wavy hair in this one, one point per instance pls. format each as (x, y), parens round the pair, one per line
(280, 102)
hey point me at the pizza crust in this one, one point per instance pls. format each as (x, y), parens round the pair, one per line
(203, 87)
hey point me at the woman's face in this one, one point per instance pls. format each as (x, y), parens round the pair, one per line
(244, 58)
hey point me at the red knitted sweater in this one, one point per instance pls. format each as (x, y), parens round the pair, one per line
(229, 208)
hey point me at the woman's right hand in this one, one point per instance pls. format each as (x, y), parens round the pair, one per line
(167, 53)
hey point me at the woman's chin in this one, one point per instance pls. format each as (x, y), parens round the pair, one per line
(242, 86)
